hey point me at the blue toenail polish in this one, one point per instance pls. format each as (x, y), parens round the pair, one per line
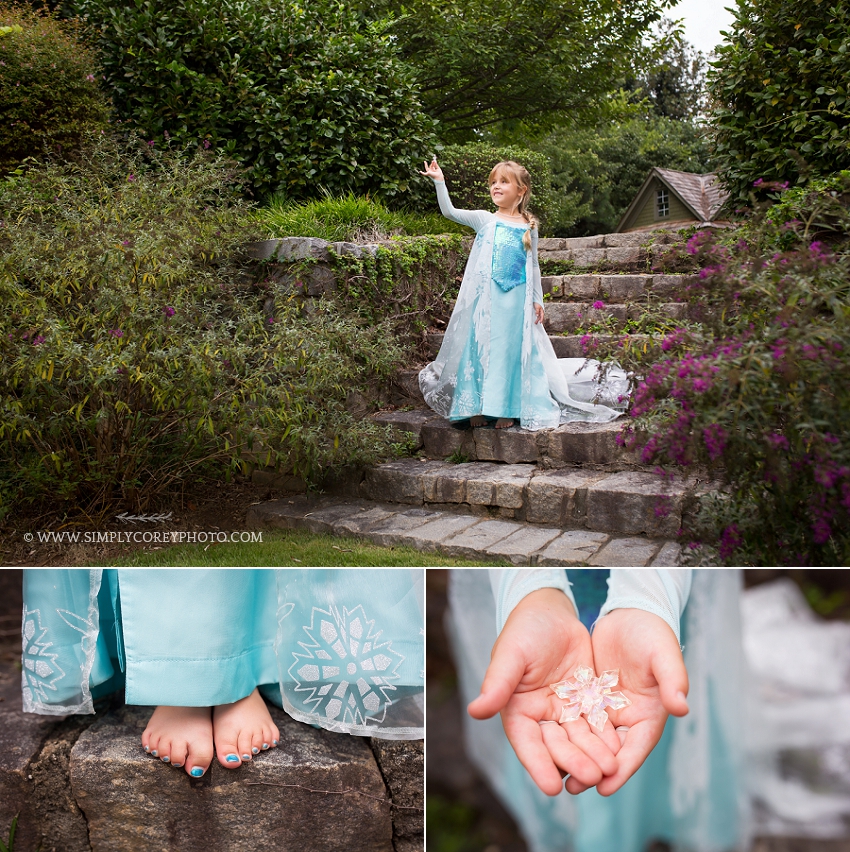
(154, 753)
(196, 772)
(274, 742)
(232, 758)
(255, 750)
(147, 748)
(265, 746)
(165, 759)
(246, 757)
(177, 765)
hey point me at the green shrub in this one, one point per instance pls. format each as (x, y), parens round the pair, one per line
(467, 169)
(349, 218)
(757, 390)
(780, 91)
(306, 96)
(135, 355)
(49, 96)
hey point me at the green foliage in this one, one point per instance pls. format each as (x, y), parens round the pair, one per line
(757, 389)
(348, 218)
(9, 844)
(49, 96)
(304, 95)
(779, 88)
(467, 170)
(597, 171)
(135, 356)
(480, 63)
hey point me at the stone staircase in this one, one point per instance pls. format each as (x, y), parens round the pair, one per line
(574, 481)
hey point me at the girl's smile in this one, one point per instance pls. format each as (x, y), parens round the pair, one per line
(506, 194)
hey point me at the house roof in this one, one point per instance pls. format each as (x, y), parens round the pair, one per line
(701, 194)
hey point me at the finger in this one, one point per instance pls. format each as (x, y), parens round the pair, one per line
(501, 680)
(640, 740)
(672, 676)
(574, 786)
(569, 757)
(526, 738)
(593, 746)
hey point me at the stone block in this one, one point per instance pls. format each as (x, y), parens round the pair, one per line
(447, 485)
(319, 791)
(393, 531)
(585, 443)
(581, 286)
(563, 316)
(344, 248)
(501, 485)
(440, 439)
(623, 256)
(591, 316)
(360, 520)
(406, 421)
(319, 280)
(290, 248)
(431, 535)
(624, 553)
(669, 285)
(669, 556)
(434, 341)
(595, 241)
(567, 346)
(557, 256)
(625, 240)
(326, 518)
(476, 542)
(519, 547)
(550, 244)
(407, 381)
(624, 288)
(511, 446)
(675, 310)
(552, 285)
(398, 481)
(402, 764)
(574, 547)
(633, 502)
(559, 497)
(590, 257)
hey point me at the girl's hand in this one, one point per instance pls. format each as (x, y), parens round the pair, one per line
(538, 313)
(543, 642)
(652, 673)
(432, 170)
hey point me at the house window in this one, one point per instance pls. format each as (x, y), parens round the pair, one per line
(662, 204)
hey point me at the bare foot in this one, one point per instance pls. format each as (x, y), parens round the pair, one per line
(504, 423)
(478, 420)
(181, 736)
(243, 729)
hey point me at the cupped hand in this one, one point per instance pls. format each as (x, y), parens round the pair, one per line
(432, 170)
(538, 313)
(543, 642)
(652, 674)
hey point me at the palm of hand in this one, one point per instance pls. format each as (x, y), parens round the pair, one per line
(432, 170)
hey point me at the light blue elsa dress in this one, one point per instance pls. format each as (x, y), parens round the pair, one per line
(339, 648)
(495, 360)
(690, 791)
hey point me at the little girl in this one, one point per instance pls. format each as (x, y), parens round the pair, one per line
(496, 361)
(339, 649)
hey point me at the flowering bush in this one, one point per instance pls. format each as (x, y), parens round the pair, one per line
(49, 96)
(758, 391)
(136, 355)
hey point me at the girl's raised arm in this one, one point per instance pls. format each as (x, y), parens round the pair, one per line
(471, 218)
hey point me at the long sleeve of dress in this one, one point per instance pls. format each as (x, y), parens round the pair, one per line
(471, 218)
(537, 287)
(511, 585)
(663, 592)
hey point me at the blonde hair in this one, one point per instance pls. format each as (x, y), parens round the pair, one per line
(519, 175)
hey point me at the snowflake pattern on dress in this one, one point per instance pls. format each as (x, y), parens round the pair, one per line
(40, 669)
(346, 670)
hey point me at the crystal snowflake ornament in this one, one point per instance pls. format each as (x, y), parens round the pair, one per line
(590, 696)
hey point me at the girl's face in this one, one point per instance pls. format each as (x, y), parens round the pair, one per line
(506, 194)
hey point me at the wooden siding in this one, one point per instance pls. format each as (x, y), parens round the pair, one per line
(646, 215)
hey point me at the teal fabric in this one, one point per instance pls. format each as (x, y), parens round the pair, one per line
(590, 589)
(343, 649)
(509, 256)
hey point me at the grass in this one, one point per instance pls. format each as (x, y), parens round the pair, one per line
(294, 548)
(349, 218)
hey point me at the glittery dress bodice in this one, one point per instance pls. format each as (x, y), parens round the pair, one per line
(509, 257)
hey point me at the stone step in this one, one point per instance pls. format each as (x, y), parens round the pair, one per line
(624, 502)
(462, 534)
(587, 444)
(616, 288)
(565, 346)
(632, 240)
(83, 784)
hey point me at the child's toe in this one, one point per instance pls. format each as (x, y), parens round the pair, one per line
(246, 745)
(198, 760)
(179, 753)
(275, 733)
(163, 750)
(259, 742)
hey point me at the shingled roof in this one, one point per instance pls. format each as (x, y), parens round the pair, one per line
(701, 194)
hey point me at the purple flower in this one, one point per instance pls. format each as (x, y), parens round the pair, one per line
(730, 540)
(206, 143)
(271, 320)
(37, 341)
(780, 442)
(131, 178)
(125, 243)
(169, 311)
(116, 332)
(90, 78)
(715, 440)
(758, 182)
(599, 305)
(151, 143)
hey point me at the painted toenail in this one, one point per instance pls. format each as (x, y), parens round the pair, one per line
(246, 757)
(178, 765)
(147, 748)
(255, 750)
(265, 746)
(165, 759)
(274, 742)
(196, 772)
(232, 758)
(154, 753)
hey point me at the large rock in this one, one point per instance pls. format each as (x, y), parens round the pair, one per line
(559, 497)
(402, 765)
(586, 443)
(512, 446)
(318, 791)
